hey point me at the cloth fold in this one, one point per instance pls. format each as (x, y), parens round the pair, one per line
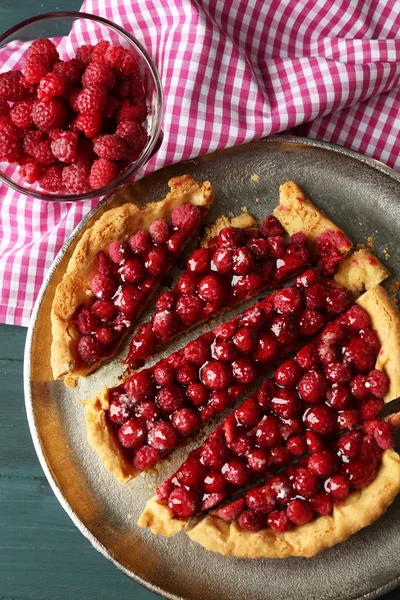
(232, 71)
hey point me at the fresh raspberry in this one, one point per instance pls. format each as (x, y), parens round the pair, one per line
(11, 87)
(98, 52)
(121, 59)
(121, 88)
(138, 110)
(69, 71)
(109, 146)
(49, 115)
(90, 124)
(44, 46)
(36, 67)
(73, 96)
(98, 74)
(64, 147)
(21, 114)
(43, 153)
(136, 89)
(10, 143)
(127, 112)
(89, 349)
(30, 140)
(76, 178)
(102, 173)
(111, 107)
(186, 217)
(4, 108)
(84, 53)
(51, 179)
(133, 134)
(92, 99)
(30, 170)
(50, 86)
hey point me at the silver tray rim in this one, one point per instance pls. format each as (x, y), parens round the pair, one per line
(299, 141)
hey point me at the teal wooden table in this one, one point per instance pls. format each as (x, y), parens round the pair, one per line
(42, 555)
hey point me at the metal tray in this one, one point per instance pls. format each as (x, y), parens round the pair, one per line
(362, 196)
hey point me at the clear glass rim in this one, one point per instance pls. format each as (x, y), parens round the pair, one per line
(157, 132)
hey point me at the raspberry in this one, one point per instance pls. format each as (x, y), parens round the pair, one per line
(89, 349)
(84, 54)
(50, 86)
(92, 99)
(90, 124)
(98, 74)
(102, 173)
(73, 96)
(136, 89)
(121, 59)
(133, 134)
(21, 114)
(111, 107)
(69, 71)
(49, 115)
(109, 146)
(98, 52)
(42, 152)
(64, 148)
(138, 110)
(51, 179)
(76, 178)
(45, 47)
(10, 143)
(30, 170)
(4, 108)
(159, 231)
(11, 87)
(36, 67)
(30, 140)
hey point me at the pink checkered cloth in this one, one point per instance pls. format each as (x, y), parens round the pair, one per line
(232, 71)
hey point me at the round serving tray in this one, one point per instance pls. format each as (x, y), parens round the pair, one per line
(362, 196)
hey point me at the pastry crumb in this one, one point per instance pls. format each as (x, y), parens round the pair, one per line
(151, 486)
(129, 516)
(386, 252)
(394, 291)
(70, 381)
(258, 200)
(371, 242)
(255, 177)
(129, 487)
(244, 209)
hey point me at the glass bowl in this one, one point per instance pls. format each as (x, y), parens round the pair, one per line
(68, 30)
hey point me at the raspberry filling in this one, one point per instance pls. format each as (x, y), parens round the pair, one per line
(235, 266)
(330, 247)
(314, 485)
(126, 278)
(326, 388)
(158, 407)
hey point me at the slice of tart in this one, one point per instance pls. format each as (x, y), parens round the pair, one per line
(236, 262)
(114, 270)
(136, 424)
(329, 386)
(348, 473)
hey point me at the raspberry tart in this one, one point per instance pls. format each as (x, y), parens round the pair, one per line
(134, 425)
(347, 472)
(330, 386)
(115, 269)
(235, 263)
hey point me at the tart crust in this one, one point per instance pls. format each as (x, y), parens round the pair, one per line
(74, 289)
(227, 538)
(298, 214)
(360, 509)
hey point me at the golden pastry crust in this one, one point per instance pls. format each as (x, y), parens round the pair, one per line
(103, 438)
(359, 509)
(385, 318)
(117, 223)
(361, 271)
(297, 213)
(158, 518)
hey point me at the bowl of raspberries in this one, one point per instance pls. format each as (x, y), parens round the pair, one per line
(81, 107)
